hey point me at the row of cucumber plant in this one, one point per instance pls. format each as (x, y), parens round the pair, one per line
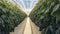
(10, 16)
(46, 15)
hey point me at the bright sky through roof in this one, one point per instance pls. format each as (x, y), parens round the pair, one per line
(26, 5)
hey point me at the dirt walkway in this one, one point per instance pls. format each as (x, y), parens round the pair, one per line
(26, 27)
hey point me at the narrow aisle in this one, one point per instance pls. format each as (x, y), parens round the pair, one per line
(28, 27)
